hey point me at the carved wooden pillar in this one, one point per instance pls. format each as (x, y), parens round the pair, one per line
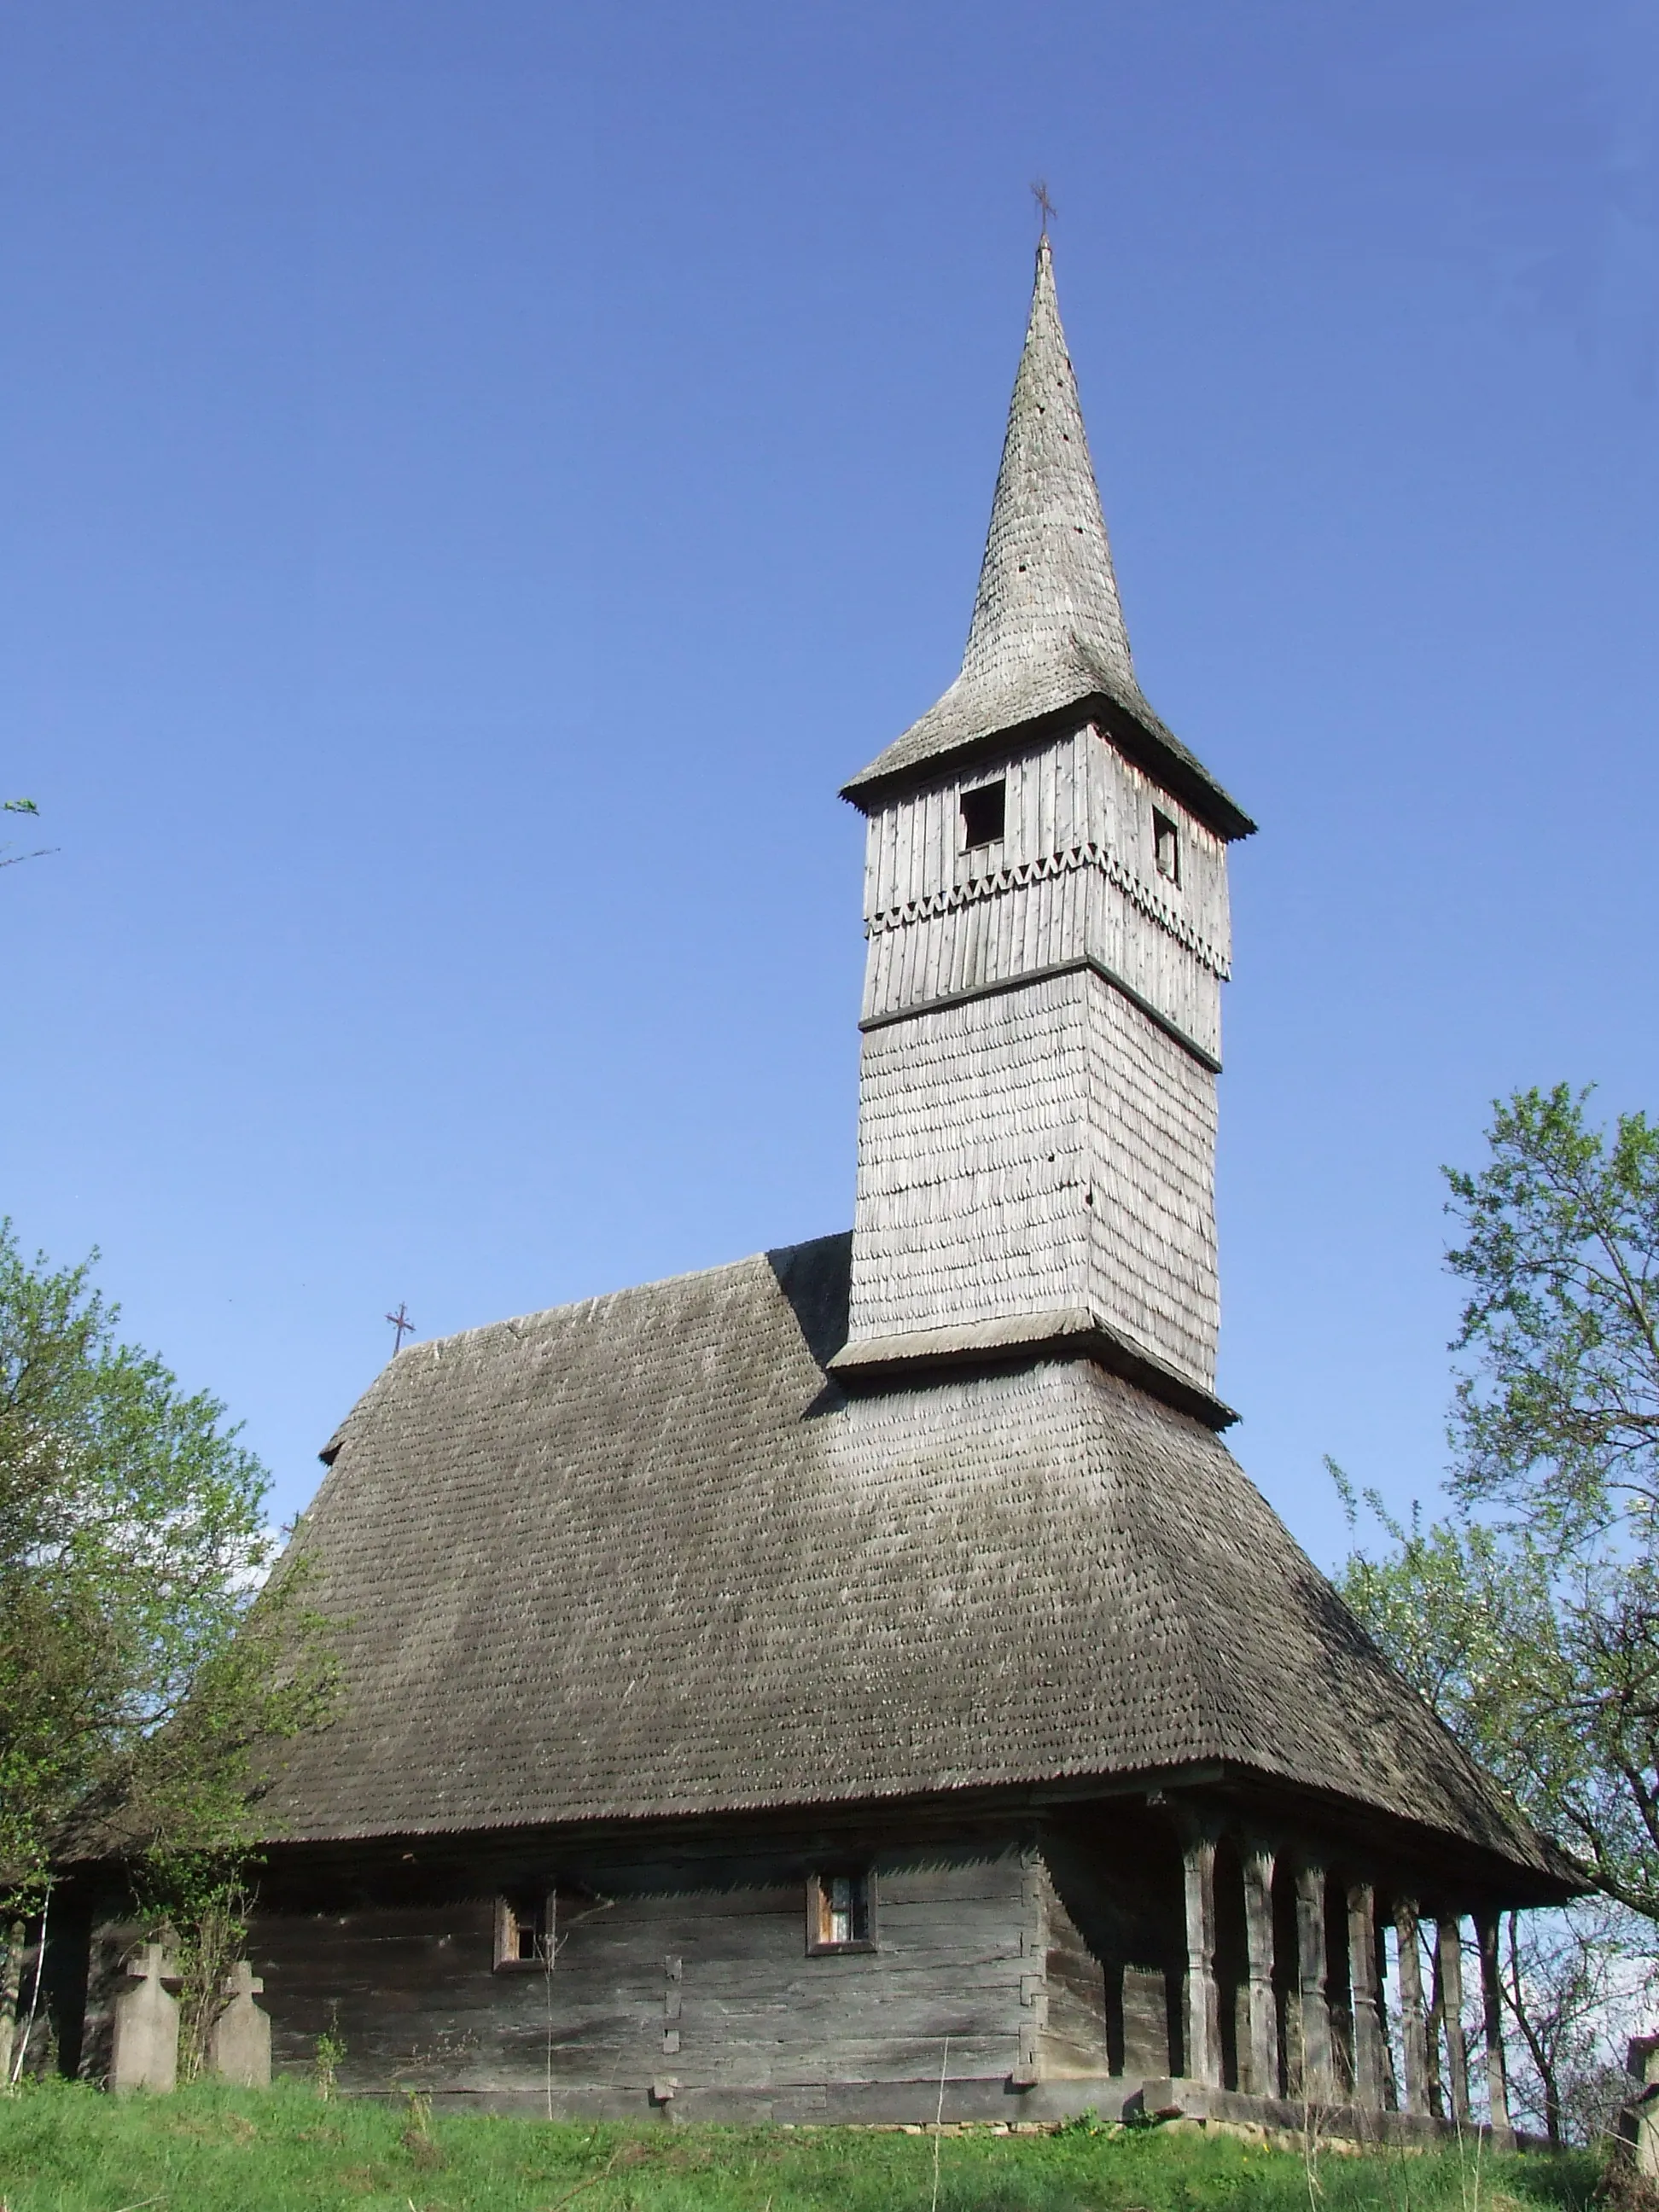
(1436, 2023)
(1258, 1863)
(1311, 1976)
(1414, 2029)
(1449, 1949)
(1492, 2006)
(1367, 2045)
(1203, 1996)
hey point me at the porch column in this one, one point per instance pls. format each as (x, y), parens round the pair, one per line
(1203, 1998)
(1310, 1978)
(1449, 1949)
(1368, 2046)
(1414, 2032)
(1492, 2006)
(1258, 1862)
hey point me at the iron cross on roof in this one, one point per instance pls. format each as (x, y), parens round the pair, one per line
(1046, 207)
(401, 1321)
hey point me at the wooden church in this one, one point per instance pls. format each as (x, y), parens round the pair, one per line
(780, 1691)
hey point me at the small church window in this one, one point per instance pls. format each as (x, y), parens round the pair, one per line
(982, 814)
(524, 1932)
(838, 1911)
(1166, 846)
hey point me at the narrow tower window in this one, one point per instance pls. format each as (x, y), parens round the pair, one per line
(1166, 846)
(982, 812)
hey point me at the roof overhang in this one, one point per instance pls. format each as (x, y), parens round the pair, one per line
(1140, 738)
(1070, 1333)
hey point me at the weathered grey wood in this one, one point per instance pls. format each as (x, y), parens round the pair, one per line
(1075, 2040)
(1021, 997)
(1039, 1150)
(1144, 2001)
(1261, 2013)
(1413, 2035)
(1033, 2016)
(1363, 1983)
(1449, 1946)
(1203, 1996)
(1316, 2084)
(717, 1980)
(1492, 2006)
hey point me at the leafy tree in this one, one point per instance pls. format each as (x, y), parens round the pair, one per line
(1526, 1616)
(1574, 1991)
(143, 1655)
(1557, 1429)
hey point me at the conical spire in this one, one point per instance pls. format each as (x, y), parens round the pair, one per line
(1048, 594)
(1047, 630)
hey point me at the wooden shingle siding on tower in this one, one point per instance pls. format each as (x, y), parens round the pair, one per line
(1042, 1001)
(1041, 1151)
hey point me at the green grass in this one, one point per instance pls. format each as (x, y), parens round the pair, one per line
(69, 2149)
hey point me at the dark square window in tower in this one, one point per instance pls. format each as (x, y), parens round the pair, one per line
(982, 813)
(1166, 846)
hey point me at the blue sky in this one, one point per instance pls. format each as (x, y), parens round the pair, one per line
(475, 479)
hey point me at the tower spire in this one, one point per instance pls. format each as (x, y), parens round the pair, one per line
(1047, 630)
(1047, 616)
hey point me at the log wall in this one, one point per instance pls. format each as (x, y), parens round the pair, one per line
(1017, 1965)
(664, 1975)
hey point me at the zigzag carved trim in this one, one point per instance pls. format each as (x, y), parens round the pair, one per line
(980, 888)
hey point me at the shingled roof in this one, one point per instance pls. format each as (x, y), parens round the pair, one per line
(1047, 631)
(641, 1556)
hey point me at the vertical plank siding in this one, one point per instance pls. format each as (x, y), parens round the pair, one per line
(985, 917)
(1050, 1145)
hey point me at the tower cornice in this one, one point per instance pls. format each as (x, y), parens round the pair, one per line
(1141, 737)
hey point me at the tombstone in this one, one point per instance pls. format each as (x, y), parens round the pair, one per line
(146, 2053)
(241, 2050)
(1638, 2120)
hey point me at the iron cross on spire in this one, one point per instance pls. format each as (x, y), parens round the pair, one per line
(401, 1321)
(1046, 209)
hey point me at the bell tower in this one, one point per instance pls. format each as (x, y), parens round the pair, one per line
(1045, 905)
